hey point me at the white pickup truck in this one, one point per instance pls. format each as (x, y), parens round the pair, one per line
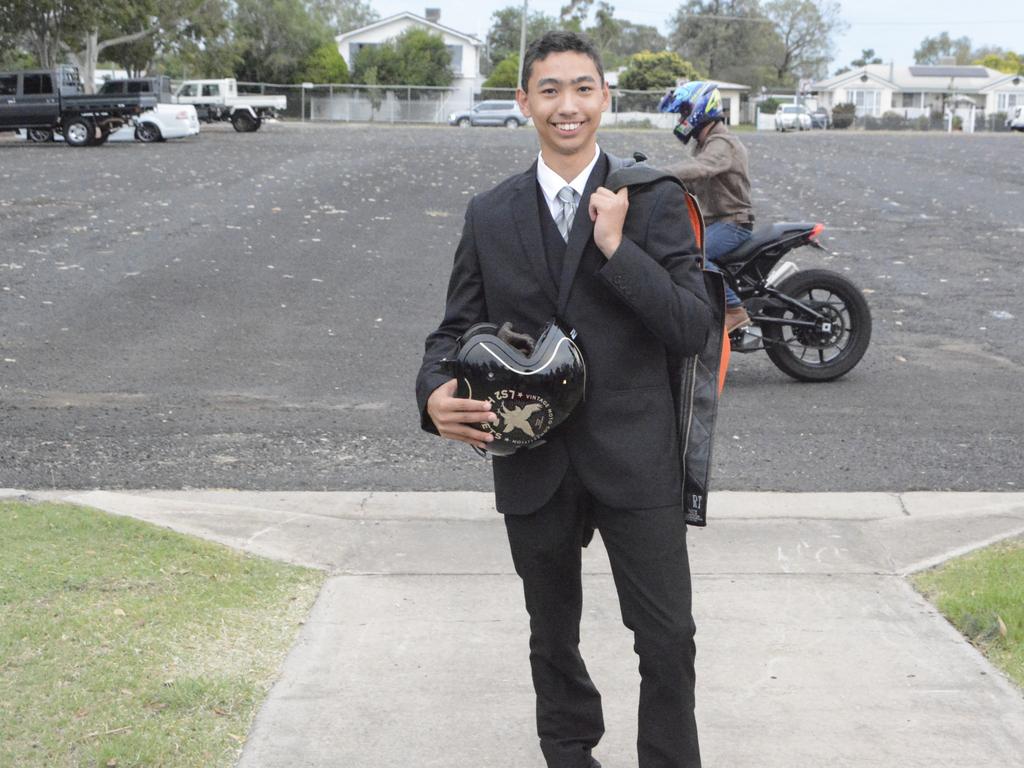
(219, 100)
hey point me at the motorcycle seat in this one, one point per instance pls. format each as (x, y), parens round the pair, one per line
(765, 235)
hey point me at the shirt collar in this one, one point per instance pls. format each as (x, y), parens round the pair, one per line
(550, 182)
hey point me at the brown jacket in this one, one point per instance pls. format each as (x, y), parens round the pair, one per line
(716, 173)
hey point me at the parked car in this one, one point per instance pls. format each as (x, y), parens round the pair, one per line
(167, 121)
(792, 117)
(490, 113)
(1015, 119)
(820, 118)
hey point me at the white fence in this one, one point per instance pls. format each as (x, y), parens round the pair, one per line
(422, 104)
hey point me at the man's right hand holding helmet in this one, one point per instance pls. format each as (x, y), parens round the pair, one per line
(453, 415)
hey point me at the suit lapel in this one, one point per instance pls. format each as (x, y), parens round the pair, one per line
(579, 236)
(527, 218)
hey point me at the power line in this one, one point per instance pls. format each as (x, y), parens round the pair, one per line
(930, 23)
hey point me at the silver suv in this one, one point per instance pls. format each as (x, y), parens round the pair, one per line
(489, 113)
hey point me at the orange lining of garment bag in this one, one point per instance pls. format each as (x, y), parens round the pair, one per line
(696, 220)
(697, 224)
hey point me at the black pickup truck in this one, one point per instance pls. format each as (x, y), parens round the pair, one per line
(45, 101)
(158, 86)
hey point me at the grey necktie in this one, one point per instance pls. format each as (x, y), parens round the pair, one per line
(567, 197)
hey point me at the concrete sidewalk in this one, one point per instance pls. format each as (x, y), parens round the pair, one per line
(813, 650)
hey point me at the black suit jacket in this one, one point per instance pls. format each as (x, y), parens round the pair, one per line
(636, 315)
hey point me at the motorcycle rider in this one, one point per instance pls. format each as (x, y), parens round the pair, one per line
(716, 172)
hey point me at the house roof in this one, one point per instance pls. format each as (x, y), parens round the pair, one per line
(1015, 81)
(420, 20)
(918, 78)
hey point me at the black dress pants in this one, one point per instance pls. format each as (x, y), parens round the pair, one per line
(647, 553)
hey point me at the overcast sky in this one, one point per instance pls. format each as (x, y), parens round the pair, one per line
(893, 29)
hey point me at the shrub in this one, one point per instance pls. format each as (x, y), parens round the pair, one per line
(893, 121)
(922, 123)
(843, 115)
(325, 65)
(872, 123)
(769, 106)
(504, 75)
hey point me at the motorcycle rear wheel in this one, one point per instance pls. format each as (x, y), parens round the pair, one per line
(825, 352)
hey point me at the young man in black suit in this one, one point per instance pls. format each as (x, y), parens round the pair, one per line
(623, 271)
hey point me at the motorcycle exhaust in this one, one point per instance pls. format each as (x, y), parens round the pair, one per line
(781, 272)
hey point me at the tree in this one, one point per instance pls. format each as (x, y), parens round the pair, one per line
(503, 36)
(80, 31)
(934, 49)
(805, 29)
(325, 65)
(604, 32)
(275, 37)
(39, 25)
(573, 15)
(504, 75)
(415, 57)
(96, 27)
(634, 38)
(202, 46)
(1005, 61)
(728, 39)
(648, 71)
(867, 56)
(425, 58)
(342, 16)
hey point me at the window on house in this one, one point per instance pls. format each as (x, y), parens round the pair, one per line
(1007, 101)
(456, 52)
(868, 102)
(913, 100)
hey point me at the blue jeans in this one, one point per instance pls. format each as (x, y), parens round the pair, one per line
(721, 238)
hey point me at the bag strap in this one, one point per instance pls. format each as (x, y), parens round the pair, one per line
(641, 175)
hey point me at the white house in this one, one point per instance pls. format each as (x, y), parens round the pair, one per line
(731, 95)
(920, 90)
(464, 48)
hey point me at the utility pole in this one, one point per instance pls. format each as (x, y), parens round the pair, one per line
(522, 45)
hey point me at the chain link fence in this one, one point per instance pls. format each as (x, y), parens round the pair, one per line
(956, 120)
(431, 105)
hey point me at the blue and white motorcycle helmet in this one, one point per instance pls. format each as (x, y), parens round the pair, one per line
(698, 103)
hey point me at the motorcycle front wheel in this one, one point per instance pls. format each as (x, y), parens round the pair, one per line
(837, 341)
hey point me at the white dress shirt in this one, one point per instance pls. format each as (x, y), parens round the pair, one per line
(550, 183)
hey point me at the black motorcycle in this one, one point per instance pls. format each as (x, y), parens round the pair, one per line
(814, 324)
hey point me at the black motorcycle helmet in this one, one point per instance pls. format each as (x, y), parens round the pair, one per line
(532, 386)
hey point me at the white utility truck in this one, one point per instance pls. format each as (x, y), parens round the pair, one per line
(219, 100)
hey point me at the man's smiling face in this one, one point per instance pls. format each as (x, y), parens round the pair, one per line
(566, 97)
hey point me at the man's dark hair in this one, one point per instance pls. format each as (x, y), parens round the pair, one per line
(559, 42)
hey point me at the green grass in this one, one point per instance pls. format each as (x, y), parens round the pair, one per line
(123, 644)
(982, 594)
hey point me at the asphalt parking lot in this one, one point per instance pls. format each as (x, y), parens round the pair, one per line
(247, 310)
